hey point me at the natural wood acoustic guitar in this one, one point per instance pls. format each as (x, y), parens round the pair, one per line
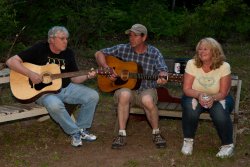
(129, 76)
(23, 89)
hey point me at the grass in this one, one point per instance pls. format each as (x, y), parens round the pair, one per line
(28, 143)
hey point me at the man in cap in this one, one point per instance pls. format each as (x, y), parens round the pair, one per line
(152, 63)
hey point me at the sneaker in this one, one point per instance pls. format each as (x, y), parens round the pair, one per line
(76, 139)
(187, 147)
(85, 135)
(159, 141)
(119, 142)
(225, 151)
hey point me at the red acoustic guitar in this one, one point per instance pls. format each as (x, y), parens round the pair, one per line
(129, 76)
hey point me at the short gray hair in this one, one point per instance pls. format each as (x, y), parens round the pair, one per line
(54, 30)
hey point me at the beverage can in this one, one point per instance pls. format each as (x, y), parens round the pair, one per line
(205, 97)
(177, 68)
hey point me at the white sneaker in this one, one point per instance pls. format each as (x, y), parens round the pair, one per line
(225, 151)
(85, 135)
(187, 147)
(76, 140)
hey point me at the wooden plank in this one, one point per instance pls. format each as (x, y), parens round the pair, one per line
(4, 80)
(4, 76)
(19, 111)
(24, 114)
(172, 113)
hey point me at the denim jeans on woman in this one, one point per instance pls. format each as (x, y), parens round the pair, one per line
(219, 112)
(72, 94)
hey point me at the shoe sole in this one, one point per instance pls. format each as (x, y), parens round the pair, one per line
(118, 147)
(161, 146)
(79, 145)
(88, 140)
(186, 153)
(222, 157)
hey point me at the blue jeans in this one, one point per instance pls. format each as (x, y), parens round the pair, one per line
(72, 94)
(219, 113)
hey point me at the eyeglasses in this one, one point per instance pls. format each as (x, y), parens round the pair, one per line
(62, 38)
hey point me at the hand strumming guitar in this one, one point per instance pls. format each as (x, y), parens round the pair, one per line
(35, 77)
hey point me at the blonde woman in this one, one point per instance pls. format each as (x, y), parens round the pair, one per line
(207, 81)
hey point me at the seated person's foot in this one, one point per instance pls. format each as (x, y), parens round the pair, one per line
(187, 147)
(225, 151)
(76, 140)
(119, 142)
(85, 135)
(159, 141)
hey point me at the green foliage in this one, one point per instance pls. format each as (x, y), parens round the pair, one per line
(222, 20)
(8, 26)
(92, 22)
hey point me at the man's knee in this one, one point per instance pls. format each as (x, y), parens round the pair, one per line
(122, 94)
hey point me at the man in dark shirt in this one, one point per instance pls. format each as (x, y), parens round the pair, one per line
(55, 51)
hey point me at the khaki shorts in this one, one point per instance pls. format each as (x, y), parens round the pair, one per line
(136, 96)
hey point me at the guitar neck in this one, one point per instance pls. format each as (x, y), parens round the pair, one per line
(171, 77)
(68, 75)
(143, 76)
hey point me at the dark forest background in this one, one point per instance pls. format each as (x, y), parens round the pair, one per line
(93, 22)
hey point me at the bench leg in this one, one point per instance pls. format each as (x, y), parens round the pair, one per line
(43, 118)
(235, 130)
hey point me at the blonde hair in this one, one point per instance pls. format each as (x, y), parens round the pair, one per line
(218, 56)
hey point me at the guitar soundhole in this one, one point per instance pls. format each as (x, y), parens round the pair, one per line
(39, 86)
(119, 81)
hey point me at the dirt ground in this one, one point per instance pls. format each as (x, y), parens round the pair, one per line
(32, 143)
(29, 143)
(43, 144)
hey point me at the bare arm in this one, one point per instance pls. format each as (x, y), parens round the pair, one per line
(188, 91)
(15, 63)
(187, 86)
(225, 85)
(100, 59)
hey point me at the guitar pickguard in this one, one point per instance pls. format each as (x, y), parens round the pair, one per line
(39, 86)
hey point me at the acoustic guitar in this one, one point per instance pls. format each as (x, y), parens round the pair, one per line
(23, 89)
(129, 76)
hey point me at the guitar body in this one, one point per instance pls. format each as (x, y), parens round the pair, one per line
(119, 66)
(23, 89)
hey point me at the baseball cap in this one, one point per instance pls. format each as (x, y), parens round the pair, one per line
(137, 29)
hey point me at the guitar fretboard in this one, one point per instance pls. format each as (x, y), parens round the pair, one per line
(144, 76)
(68, 75)
(171, 77)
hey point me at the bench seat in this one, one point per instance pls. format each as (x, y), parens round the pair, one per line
(20, 111)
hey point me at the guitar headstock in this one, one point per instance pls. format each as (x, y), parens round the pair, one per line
(173, 77)
(105, 71)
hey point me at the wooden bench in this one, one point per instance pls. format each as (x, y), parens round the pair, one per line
(170, 106)
(17, 111)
